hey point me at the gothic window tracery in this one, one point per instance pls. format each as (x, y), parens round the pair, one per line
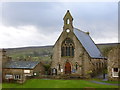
(67, 48)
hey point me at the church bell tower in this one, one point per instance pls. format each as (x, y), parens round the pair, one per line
(68, 22)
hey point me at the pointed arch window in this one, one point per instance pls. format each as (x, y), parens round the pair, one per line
(67, 48)
(76, 66)
(59, 66)
(68, 21)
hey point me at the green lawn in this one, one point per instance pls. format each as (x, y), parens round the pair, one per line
(40, 83)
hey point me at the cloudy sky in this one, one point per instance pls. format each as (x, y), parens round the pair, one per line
(40, 23)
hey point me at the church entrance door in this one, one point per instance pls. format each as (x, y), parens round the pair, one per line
(67, 68)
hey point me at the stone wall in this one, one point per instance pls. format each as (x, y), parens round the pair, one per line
(99, 65)
(113, 62)
(39, 69)
(13, 72)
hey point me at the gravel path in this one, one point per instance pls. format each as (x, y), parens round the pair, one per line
(104, 83)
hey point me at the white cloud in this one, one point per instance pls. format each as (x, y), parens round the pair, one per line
(24, 36)
(34, 24)
(105, 40)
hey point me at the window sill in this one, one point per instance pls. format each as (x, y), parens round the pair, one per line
(116, 76)
(67, 56)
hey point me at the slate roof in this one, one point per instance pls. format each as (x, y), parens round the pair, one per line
(21, 64)
(88, 43)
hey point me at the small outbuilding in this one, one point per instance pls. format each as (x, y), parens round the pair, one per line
(18, 71)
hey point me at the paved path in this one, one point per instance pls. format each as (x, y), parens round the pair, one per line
(105, 79)
(100, 76)
(105, 83)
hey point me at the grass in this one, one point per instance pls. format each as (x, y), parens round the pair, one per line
(40, 83)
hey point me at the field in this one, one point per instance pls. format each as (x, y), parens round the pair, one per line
(42, 83)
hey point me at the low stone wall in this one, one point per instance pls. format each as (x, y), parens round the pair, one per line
(60, 77)
(114, 79)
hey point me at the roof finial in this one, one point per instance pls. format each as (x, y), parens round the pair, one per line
(88, 33)
(67, 10)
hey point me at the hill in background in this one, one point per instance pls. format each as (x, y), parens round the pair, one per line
(44, 53)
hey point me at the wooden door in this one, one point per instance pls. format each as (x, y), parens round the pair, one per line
(67, 68)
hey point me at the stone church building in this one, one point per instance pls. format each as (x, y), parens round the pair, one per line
(75, 53)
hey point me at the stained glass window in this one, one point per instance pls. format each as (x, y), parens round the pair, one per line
(67, 48)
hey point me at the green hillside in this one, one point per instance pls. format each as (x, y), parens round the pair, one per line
(105, 48)
(44, 53)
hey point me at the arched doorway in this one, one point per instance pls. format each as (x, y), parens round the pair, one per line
(67, 68)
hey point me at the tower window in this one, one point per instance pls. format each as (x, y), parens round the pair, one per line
(67, 48)
(68, 21)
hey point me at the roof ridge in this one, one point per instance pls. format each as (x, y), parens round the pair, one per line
(80, 30)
